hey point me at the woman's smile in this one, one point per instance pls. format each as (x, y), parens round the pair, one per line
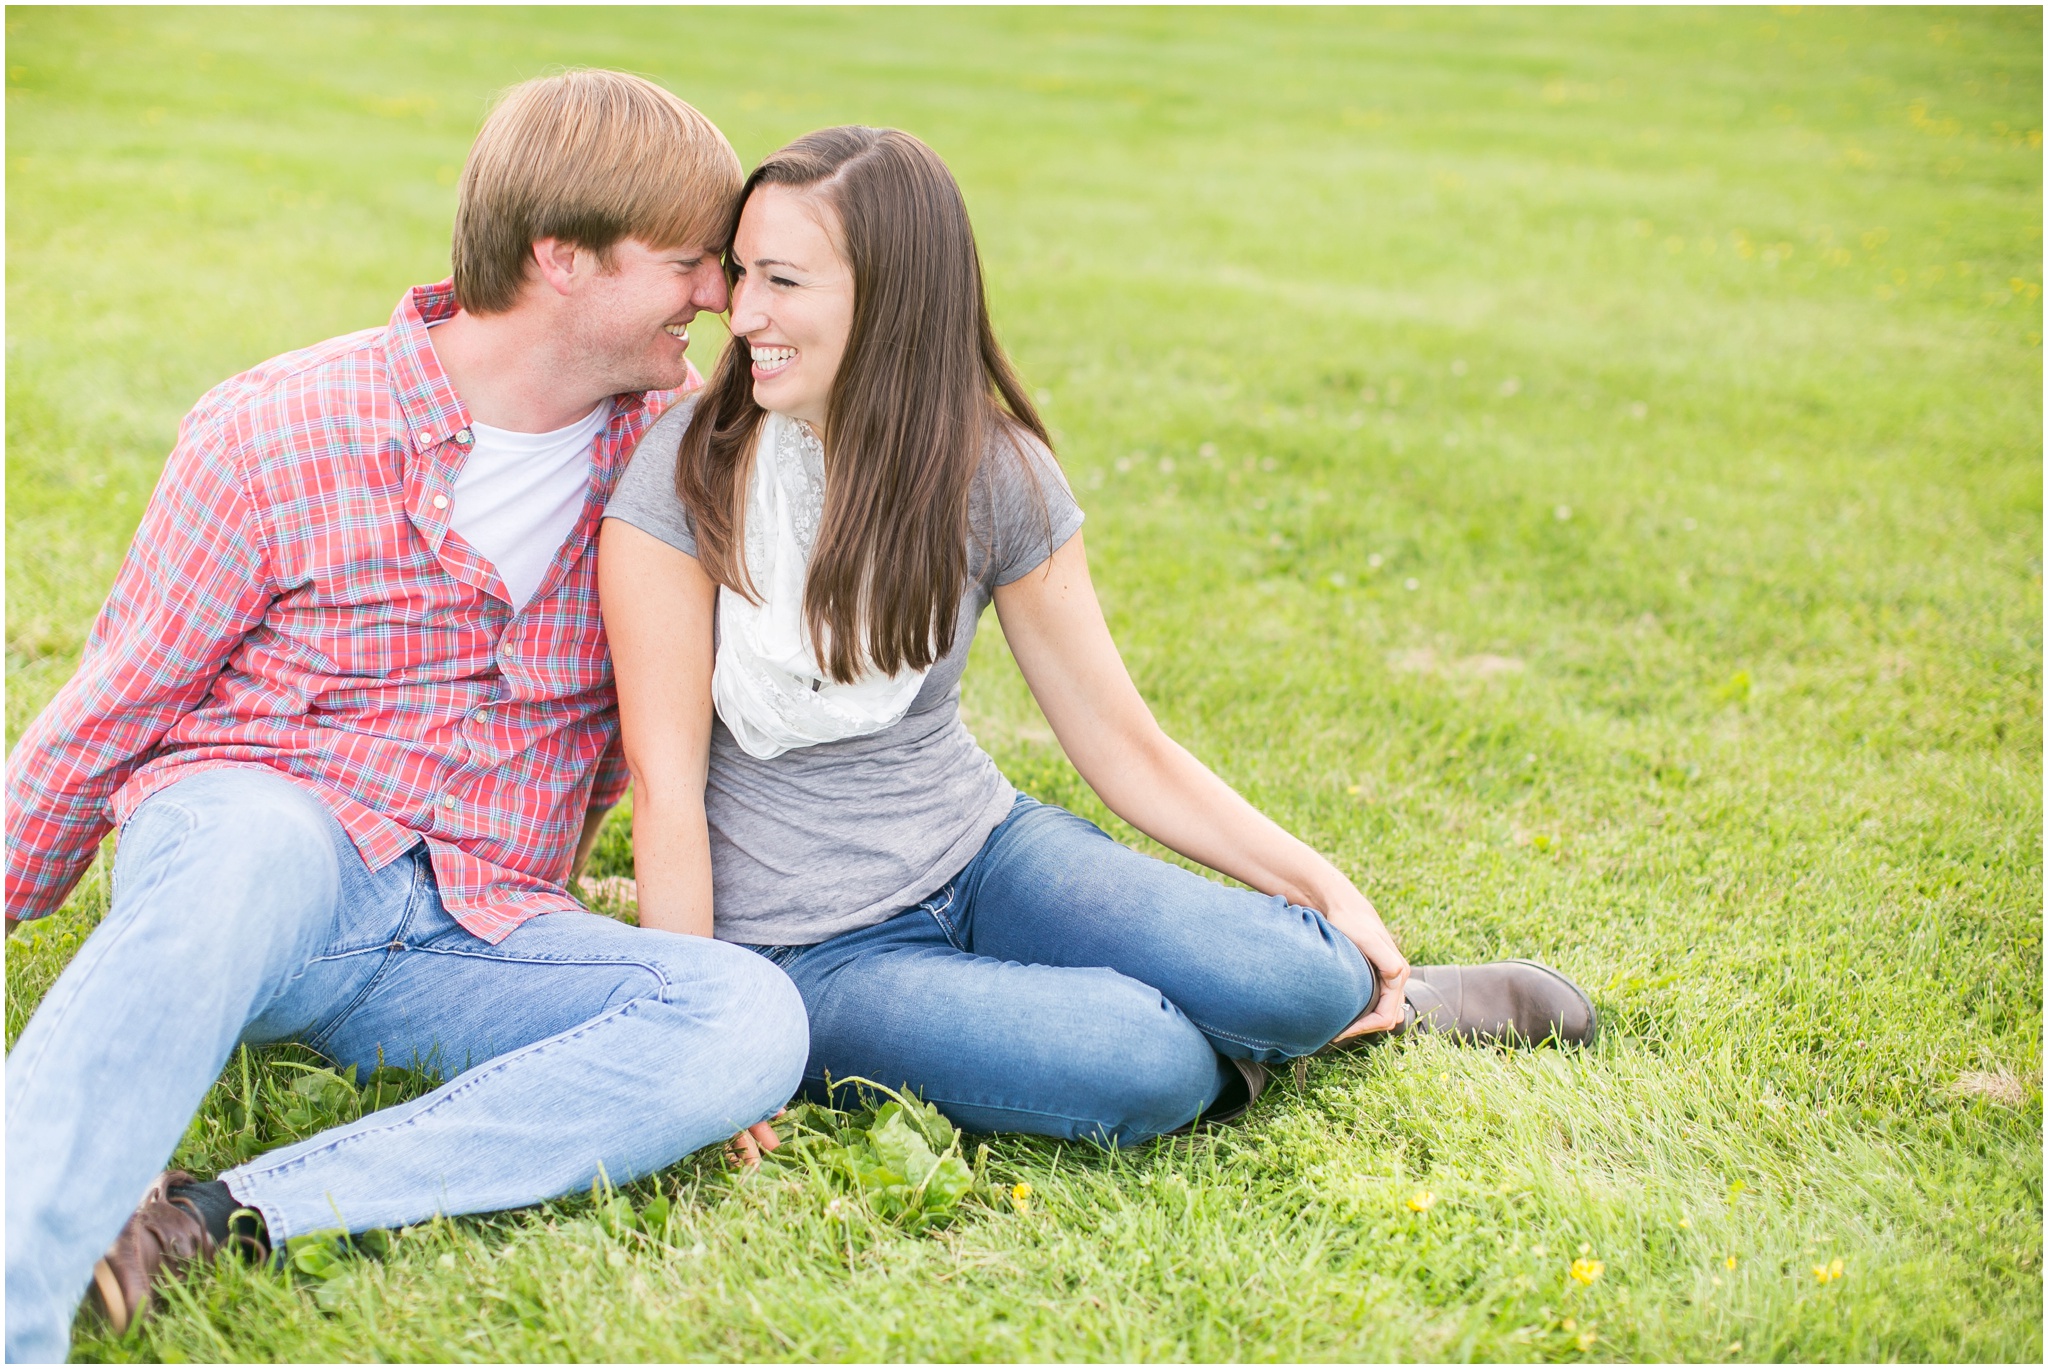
(770, 360)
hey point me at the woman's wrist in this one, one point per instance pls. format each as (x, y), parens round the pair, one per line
(1323, 887)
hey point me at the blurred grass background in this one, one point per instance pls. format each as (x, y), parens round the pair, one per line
(1581, 469)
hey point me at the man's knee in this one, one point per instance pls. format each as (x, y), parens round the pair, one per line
(748, 1011)
(245, 830)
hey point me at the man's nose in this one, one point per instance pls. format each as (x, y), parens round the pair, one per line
(713, 296)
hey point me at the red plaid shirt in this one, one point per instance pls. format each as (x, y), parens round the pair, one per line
(295, 599)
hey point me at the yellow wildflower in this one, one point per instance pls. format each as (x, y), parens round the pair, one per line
(1730, 1261)
(1020, 1197)
(1422, 1202)
(1829, 1272)
(1586, 1271)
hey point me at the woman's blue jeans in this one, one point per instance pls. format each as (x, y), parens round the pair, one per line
(1066, 985)
(242, 913)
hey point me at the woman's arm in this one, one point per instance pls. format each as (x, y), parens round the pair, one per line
(657, 605)
(1057, 633)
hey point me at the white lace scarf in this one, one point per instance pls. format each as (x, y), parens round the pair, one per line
(765, 680)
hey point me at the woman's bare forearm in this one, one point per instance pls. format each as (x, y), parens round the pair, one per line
(1161, 789)
(657, 613)
(672, 863)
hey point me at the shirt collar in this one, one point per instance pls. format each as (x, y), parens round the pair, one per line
(432, 411)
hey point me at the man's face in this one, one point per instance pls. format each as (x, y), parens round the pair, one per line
(630, 323)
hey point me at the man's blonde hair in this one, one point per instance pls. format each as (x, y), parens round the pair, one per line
(590, 157)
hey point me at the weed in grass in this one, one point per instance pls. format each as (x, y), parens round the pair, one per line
(898, 1162)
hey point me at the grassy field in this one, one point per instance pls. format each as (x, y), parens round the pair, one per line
(1582, 470)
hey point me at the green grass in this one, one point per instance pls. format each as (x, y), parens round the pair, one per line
(1582, 470)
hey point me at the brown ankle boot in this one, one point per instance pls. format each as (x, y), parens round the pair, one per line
(163, 1236)
(1518, 1002)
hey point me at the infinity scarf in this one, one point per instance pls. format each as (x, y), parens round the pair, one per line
(765, 680)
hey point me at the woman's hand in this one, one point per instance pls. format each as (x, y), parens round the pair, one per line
(1359, 920)
(746, 1149)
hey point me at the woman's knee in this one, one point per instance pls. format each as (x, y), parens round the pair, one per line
(1309, 987)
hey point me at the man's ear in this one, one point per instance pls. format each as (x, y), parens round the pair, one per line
(556, 260)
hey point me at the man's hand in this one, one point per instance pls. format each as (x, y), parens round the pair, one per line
(745, 1149)
(1356, 918)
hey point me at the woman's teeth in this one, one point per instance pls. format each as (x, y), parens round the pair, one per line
(773, 358)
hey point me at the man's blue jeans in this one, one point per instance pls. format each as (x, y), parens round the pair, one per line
(242, 913)
(1067, 985)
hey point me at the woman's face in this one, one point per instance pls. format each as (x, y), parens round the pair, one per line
(792, 300)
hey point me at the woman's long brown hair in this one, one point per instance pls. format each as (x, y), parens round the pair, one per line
(921, 390)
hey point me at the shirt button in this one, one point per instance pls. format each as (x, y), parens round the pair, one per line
(465, 437)
(440, 501)
(423, 441)
(447, 800)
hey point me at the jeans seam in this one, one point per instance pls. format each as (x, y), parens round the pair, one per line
(1249, 1043)
(392, 950)
(614, 962)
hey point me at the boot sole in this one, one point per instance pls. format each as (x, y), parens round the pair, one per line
(113, 1304)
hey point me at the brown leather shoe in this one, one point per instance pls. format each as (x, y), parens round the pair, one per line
(164, 1236)
(1518, 1002)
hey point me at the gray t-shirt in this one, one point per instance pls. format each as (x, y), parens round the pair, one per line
(830, 838)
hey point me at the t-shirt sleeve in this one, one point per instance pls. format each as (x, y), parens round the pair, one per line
(646, 494)
(1034, 509)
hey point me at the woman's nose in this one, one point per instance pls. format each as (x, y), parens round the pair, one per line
(745, 317)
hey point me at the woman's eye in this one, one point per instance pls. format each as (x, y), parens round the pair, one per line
(783, 281)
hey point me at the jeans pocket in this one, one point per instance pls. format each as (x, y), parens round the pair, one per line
(940, 906)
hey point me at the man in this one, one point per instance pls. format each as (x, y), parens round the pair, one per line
(349, 702)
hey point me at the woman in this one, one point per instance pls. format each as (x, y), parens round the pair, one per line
(791, 573)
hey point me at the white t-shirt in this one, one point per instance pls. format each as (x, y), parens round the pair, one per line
(521, 494)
